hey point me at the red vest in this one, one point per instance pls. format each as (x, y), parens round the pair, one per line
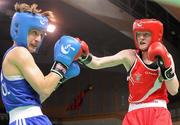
(144, 84)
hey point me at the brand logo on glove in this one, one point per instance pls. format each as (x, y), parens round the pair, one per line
(65, 49)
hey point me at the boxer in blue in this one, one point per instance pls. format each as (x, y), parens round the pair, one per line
(23, 85)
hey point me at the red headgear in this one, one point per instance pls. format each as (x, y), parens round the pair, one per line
(151, 25)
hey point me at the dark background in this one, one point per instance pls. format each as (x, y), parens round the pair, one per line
(106, 26)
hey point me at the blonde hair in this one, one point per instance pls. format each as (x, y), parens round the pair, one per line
(23, 7)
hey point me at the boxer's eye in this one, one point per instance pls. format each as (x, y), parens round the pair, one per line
(144, 34)
(37, 33)
(147, 34)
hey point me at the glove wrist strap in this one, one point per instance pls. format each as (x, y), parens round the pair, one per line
(59, 69)
(86, 60)
(168, 73)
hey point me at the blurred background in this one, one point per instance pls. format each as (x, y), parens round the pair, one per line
(97, 97)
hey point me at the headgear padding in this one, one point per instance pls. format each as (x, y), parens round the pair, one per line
(23, 22)
(153, 26)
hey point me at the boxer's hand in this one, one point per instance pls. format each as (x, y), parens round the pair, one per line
(85, 56)
(158, 52)
(72, 72)
(65, 50)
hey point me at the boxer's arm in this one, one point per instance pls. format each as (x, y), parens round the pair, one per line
(158, 52)
(125, 57)
(173, 84)
(73, 71)
(43, 85)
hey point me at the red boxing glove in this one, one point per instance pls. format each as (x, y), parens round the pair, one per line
(80, 51)
(78, 55)
(85, 56)
(85, 48)
(158, 52)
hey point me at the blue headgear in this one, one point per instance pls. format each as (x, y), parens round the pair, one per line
(23, 22)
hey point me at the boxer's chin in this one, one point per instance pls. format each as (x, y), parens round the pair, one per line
(143, 47)
(32, 49)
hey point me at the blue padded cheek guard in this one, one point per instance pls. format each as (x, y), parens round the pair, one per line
(23, 22)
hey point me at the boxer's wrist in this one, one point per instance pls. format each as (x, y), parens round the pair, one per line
(167, 73)
(59, 69)
(85, 59)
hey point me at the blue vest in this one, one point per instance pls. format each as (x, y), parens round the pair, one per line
(16, 92)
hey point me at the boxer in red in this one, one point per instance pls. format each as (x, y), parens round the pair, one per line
(151, 74)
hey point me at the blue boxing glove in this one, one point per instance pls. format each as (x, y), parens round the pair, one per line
(72, 71)
(65, 50)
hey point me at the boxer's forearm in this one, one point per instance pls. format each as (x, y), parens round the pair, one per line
(172, 85)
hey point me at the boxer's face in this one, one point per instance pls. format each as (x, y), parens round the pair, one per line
(143, 39)
(34, 40)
